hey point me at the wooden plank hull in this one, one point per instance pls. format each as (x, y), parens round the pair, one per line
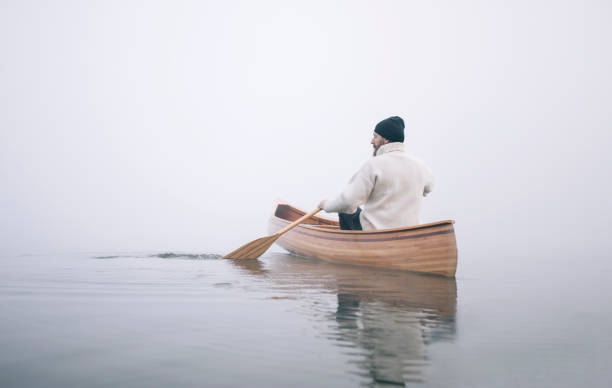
(428, 248)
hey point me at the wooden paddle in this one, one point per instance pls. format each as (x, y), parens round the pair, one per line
(256, 248)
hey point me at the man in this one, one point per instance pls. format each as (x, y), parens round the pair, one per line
(390, 186)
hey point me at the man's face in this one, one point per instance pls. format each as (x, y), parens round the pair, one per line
(377, 141)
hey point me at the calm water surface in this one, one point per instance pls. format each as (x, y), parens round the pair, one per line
(159, 320)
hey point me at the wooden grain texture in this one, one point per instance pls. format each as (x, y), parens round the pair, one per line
(256, 248)
(253, 249)
(428, 248)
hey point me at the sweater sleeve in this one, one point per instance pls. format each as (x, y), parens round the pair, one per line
(354, 194)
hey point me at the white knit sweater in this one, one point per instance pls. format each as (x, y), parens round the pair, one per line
(390, 186)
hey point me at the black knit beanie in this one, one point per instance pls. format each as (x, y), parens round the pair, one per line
(391, 129)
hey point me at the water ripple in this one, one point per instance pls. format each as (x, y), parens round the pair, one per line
(167, 255)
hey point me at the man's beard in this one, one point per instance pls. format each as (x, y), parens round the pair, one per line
(375, 149)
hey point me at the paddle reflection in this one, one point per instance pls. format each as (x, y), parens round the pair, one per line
(383, 319)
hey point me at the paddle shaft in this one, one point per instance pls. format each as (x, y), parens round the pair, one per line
(297, 222)
(256, 248)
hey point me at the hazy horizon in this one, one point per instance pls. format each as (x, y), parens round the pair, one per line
(173, 126)
(133, 129)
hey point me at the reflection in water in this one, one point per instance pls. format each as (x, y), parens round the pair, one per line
(383, 320)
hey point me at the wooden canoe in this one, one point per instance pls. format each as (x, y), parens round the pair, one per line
(427, 248)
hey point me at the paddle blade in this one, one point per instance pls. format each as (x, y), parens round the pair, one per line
(254, 249)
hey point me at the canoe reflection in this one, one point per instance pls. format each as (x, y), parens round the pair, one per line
(383, 320)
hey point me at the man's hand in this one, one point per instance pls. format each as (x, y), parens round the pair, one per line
(322, 204)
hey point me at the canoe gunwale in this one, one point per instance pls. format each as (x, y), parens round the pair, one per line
(379, 231)
(362, 237)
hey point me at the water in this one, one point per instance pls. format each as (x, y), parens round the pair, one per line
(170, 319)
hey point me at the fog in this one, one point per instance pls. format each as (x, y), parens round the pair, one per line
(173, 126)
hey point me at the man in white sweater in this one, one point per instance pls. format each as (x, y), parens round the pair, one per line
(389, 186)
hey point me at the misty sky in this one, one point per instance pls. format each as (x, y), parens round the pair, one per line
(173, 125)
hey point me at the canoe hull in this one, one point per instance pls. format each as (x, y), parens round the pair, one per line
(429, 248)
